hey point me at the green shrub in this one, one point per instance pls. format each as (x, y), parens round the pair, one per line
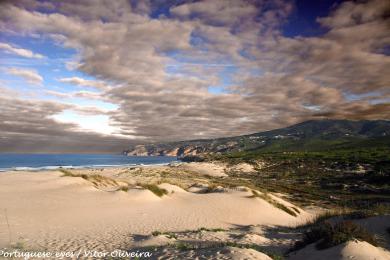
(360, 214)
(167, 234)
(124, 188)
(320, 218)
(210, 230)
(156, 233)
(326, 235)
(170, 235)
(183, 246)
(95, 179)
(66, 173)
(155, 189)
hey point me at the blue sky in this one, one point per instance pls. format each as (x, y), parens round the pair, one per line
(302, 21)
(54, 67)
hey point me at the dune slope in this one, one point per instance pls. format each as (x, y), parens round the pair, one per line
(45, 210)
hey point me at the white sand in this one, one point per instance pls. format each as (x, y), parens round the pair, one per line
(50, 212)
(204, 168)
(242, 168)
(356, 250)
(68, 213)
(224, 253)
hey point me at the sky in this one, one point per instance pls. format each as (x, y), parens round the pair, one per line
(101, 75)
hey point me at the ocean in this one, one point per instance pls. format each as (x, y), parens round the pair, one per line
(53, 161)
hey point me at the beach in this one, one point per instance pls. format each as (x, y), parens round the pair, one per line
(122, 208)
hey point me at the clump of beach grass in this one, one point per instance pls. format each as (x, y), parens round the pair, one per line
(273, 202)
(169, 235)
(327, 235)
(182, 246)
(155, 189)
(19, 245)
(320, 218)
(67, 173)
(156, 233)
(203, 229)
(96, 179)
(124, 188)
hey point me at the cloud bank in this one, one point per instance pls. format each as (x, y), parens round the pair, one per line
(157, 67)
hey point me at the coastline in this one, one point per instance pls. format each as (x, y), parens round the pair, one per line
(48, 162)
(70, 167)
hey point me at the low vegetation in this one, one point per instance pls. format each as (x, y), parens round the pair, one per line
(203, 229)
(335, 227)
(169, 235)
(184, 246)
(321, 218)
(124, 188)
(155, 189)
(326, 235)
(97, 180)
(273, 202)
(67, 173)
(326, 181)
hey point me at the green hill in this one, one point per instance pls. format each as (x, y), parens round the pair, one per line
(308, 136)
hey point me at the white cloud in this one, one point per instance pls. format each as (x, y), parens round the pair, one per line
(161, 69)
(31, 76)
(19, 51)
(87, 122)
(85, 83)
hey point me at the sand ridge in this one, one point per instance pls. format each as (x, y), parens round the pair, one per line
(46, 209)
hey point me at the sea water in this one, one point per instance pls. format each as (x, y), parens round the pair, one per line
(54, 161)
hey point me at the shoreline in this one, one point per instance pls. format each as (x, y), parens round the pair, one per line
(54, 168)
(39, 162)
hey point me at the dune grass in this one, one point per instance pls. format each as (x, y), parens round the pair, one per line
(155, 189)
(124, 188)
(66, 173)
(99, 180)
(335, 227)
(169, 235)
(203, 229)
(273, 202)
(327, 235)
(344, 214)
(320, 218)
(94, 178)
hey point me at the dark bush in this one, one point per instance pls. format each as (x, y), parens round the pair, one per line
(327, 235)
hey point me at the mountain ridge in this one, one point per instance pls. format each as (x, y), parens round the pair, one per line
(311, 135)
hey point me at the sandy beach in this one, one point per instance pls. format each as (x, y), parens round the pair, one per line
(114, 208)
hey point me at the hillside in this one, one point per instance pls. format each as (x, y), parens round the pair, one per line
(313, 136)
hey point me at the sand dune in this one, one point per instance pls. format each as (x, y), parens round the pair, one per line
(356, 250)
(46, 210)
(204, 168)
(49, 211)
